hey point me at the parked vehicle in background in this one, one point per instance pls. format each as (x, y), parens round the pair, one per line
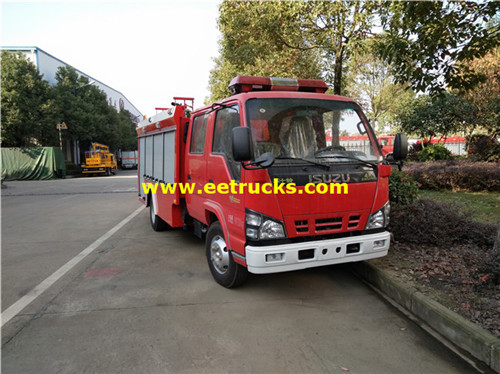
(386, 143)
(455, 144)
(129, 160)
(98, 160)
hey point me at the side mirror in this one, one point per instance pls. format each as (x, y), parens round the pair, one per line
(242, 144)
(400, 147)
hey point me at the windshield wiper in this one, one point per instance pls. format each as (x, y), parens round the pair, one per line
(373, 165)
(327, 167)
(330, 148)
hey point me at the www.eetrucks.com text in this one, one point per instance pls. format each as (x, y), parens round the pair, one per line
(252, 188)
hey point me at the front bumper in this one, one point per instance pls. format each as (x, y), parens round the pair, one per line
(297, 256)
(93, 170)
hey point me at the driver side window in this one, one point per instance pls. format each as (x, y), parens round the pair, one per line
(225, 121)
(198, 135)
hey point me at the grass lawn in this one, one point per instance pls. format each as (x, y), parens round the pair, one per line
(483, 206)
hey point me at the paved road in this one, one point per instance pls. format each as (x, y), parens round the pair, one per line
(145, 302)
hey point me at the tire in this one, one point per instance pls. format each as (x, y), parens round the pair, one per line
(156, 222)
(224, 270)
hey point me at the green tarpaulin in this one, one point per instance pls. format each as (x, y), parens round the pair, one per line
(32, 163)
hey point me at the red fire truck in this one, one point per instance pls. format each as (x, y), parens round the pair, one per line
(386, 143)
(270, 132)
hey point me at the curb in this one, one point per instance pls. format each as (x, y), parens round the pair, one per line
(460, 332)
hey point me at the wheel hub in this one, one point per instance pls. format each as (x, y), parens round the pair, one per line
(219, 254)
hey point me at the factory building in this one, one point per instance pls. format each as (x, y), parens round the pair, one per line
(48, 65)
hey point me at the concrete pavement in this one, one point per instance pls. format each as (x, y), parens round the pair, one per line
(145, 302)
(477, 344)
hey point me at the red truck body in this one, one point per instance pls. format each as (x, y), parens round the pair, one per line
(301, 127)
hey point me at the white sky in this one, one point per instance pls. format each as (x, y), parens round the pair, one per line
(149, 51)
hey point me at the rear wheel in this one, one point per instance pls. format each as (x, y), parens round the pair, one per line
(225, 271)
(156, 222)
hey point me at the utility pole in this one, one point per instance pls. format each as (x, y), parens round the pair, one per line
(61, 126)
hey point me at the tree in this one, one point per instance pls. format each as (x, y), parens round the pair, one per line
(248, 48)
(72, 93)
(427, 118)
(304, 39)
(31, 108)
(334, 29)
(86, 111)
(128, 138)
(28, 111)
(372, 84)
(486, 95)
(429, 43)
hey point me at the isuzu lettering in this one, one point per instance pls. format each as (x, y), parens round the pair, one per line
(267, 179)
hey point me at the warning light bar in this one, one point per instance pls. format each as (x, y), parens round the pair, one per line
(244, 83)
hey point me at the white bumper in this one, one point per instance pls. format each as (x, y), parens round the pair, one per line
(297, 256)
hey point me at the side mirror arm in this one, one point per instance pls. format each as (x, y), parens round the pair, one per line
(264, 161)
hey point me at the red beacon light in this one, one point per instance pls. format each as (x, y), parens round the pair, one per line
(244, 83)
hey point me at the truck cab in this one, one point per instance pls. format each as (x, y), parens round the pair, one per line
(275, 190)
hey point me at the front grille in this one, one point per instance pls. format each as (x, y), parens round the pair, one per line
(327, 224)
(353, 221)
(301, 226)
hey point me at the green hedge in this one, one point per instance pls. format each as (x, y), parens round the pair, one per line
(429, 222)
(458, 175)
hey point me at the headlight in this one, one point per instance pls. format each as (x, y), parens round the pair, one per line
(380, 218)
(271, 230)
(261, 227)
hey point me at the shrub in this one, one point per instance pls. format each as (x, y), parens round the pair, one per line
(402, 187)
(489, 268)
(428, 222)
(458, 175)
(484, 148)
(434, 152)
(413, 151)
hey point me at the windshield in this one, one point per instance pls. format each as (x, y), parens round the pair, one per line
(325, 131)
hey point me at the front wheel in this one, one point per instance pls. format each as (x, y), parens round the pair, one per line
(225, 271)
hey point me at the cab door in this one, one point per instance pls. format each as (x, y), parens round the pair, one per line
(225, 174)
(195, 168)
(220, 158)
